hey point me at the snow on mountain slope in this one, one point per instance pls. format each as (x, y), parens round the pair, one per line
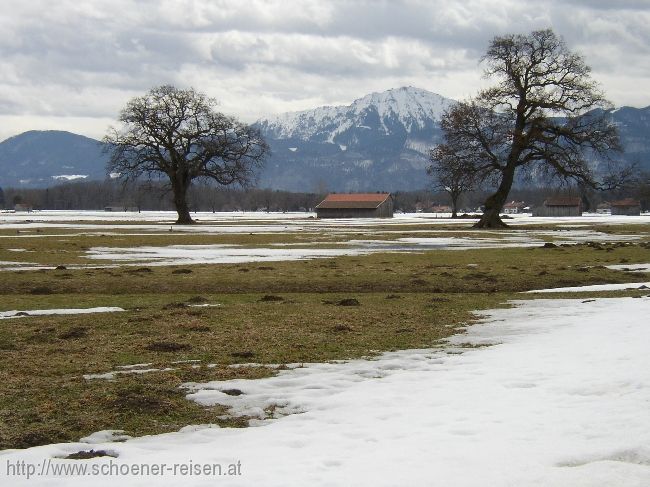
(407, 107)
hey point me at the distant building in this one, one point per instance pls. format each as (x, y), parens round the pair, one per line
(23, 207)
(560, 206)
(514, 207)
(440, 209)
(604, 208)
(359, 205)
(628, 206)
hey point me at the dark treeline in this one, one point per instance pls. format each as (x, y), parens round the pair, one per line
(98, 195)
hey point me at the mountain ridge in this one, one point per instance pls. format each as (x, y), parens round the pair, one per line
(378, 142)
(43, 157)
(411, 106)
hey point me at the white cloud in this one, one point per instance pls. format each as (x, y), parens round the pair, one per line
(83, 60)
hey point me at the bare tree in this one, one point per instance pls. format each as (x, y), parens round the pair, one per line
(540, 117)
(179, 134)
(452, 172)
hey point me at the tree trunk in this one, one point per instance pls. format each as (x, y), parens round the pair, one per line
(454, 206)
(494, 203)
(180, 202)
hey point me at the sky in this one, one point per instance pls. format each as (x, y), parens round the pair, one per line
(72, 65)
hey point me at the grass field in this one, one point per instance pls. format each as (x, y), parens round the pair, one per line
(191, 323)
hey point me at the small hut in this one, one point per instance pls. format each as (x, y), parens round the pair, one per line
(560, 206)
(514, 207)
(357, 205)
(628, 206)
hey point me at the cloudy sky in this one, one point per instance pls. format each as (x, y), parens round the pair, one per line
(71, 64)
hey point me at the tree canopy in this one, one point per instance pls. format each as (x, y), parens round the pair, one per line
(539, 117)
(179, 134)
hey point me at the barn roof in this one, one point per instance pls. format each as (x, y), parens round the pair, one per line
(353, 200)
(627, 202)
(563, 201)
(515, 204)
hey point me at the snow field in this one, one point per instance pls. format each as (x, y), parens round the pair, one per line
(560, 398)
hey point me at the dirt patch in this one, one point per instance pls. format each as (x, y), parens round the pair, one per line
(199, 328)
(167, 347)
(349, 302)
(243, 354)
(182, 271)
(197, 300)
(87, 454)
(270, 298)
(41, 290)
(140, 270)
(141, 399)
(439, 299)
(73, 333)
(232, 392)
(342, 328)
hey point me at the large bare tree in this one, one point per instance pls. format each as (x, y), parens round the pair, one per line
(179, 134)
(539, 117)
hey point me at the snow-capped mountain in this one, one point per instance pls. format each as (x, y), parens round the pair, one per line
(408, 108)
(379, 141)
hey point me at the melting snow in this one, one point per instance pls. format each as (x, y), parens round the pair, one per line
(596, 287)
(630, 267)
(66, 311)
(560, 399)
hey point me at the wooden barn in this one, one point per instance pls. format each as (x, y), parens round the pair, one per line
(628, 206)
(560, 206)
(357, 205)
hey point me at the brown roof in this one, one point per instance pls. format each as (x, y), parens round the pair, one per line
(515, 204)
(356, 200)
(626, 202)
(563, 201)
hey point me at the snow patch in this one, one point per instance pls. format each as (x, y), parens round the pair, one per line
(65, 311)
(630, 267)
(70, 177)
(114, 373)
(105, 436)
(596, 287)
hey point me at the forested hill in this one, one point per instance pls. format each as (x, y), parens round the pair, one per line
(43, 158)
